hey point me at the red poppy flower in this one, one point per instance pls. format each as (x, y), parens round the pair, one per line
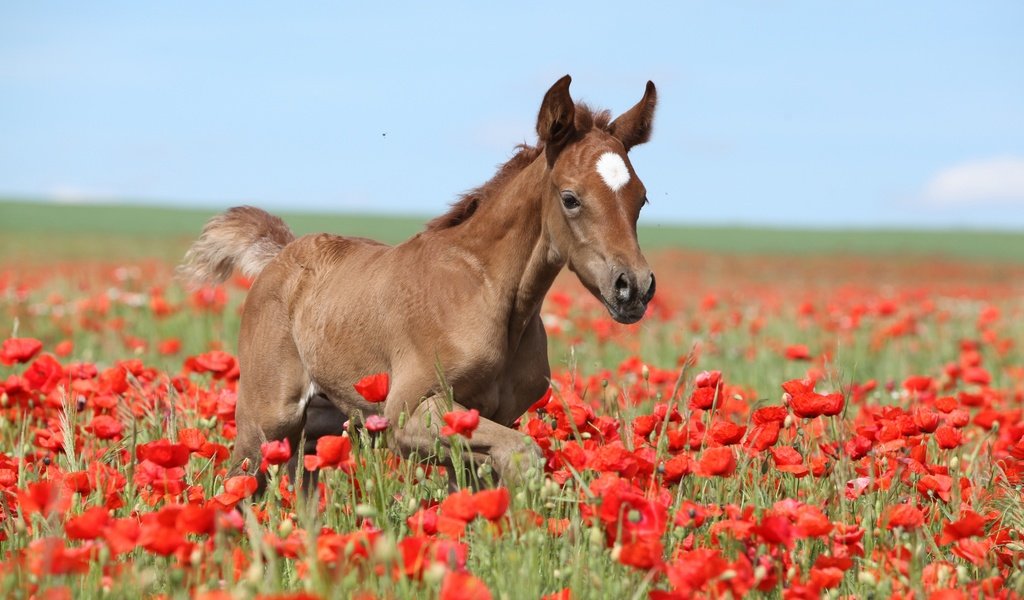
(769, 414)
(969, 525)
(708, 379)
(718, 462)
(635, 517)
(906, 516)
(492, 504)
(243, 485)
(691, 570)
(948, 437)
(89, 525)
(811, 522)
(644, 553)
(763, 436)
(221, 364)
(159, 534)
(423, 521)
(49, 556)
(935, 485)
(122, 535)
(808, 405)
(678, 466)
(727, 433)
(925, 418)
(973, 551)
(797, 352)
(44, 374)
(798, 386)
(191, 438)
(331, 451)
(19, 350)
(236, 489)
(169, 346)
(43, 497)
(917, 383)
(373, 388)
(460, 505)
(460, 422)
(413, 551)
(977, 375)
(775, 530)
(105, 427)
(275, 452)
(64, 348)
(210, 298)
(703, 398)
(823, 578)
(164, 453)
(788, 460)
(196, 519)
(457, 585)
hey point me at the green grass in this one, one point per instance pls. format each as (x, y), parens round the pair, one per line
(961, 244)
(523, 560)
(35, 231)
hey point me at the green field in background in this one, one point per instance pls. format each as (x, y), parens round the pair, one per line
(42, 231)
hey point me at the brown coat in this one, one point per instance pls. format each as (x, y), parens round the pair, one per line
(464, 296)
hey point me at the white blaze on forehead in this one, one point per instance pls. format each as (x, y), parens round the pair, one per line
(613, 170)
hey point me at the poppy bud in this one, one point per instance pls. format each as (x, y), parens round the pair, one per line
(385, 550)
(254, 574)
(433, 574)
(285, 528)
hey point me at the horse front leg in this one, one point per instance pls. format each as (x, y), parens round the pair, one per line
(509, 452)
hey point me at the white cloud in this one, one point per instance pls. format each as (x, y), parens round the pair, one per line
(988, 182)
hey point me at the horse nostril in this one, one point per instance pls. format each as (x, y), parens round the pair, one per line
(623, 291)
(649, 294)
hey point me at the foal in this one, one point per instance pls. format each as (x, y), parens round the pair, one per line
(465, 294)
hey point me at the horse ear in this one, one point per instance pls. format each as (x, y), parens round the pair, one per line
(556, 121)
(633, 127)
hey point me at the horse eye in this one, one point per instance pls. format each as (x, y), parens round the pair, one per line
(570, 201)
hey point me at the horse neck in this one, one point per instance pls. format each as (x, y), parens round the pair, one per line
(508, 236)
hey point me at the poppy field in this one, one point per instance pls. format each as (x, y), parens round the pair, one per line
(778, 425)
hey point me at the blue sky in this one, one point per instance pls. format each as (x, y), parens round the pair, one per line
(771, 113)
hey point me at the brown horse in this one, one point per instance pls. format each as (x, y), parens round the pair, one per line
(463, 295)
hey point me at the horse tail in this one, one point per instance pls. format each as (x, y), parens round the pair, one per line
(243, 237)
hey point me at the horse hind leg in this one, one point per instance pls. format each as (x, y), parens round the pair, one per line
(272, 392)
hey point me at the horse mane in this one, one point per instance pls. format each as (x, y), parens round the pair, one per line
(465, 207)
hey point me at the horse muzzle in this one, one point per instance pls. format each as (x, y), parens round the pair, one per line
(630, 295)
